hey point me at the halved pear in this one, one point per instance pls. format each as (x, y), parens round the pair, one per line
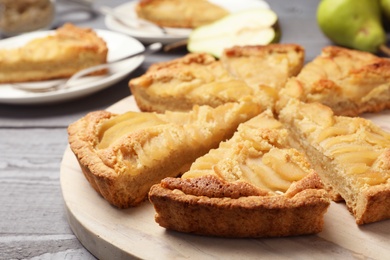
(249, 27)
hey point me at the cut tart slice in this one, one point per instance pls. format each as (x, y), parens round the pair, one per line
(253, 185)
(179, 13)
(350, 82)
(179, 84)
(351, 155)
(201, 79)
(59, 55)
(270, 65)
(122, 156)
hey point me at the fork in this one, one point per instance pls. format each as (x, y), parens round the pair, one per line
(52, 85)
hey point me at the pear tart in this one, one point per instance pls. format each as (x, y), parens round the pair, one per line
(179, 13)
(123, 155)
(253, 185)
(201, 79)
(350, 82)
(350, 154)
(58, 55)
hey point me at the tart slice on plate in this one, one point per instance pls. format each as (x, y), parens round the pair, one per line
(123, 155)
(179, 13)
(253, 185)
(59, 55)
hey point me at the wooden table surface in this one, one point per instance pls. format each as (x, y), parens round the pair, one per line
(33, 140)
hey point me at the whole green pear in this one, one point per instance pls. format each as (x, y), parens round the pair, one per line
(352, 23)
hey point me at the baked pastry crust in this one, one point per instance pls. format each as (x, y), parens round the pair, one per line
(253, 185)
(201, 79)
(351, 155)
(350, 82)
(179, 13)
(122, 156)
(60, 55)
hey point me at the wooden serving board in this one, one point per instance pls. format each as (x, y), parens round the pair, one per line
(111, 233)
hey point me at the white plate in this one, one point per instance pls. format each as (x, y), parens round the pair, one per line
(119, 45)
(150, 34)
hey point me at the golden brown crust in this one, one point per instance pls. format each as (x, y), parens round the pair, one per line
(60, 55)
(212, 187)
(351, 155)
(245, 216)
(350, 82)
(191, 58)
(253, 185)
(122, 156)
(245, 213)
(179, 13)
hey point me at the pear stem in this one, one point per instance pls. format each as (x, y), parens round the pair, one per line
(386, 50)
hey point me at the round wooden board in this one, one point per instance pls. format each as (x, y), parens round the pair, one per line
(111, 233)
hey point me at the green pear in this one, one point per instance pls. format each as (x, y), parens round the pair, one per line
(249, 27)
(354, 24)
(385, 6)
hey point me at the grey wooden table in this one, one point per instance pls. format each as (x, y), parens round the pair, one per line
(33, 223)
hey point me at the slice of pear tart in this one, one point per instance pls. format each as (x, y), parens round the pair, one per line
(350, 82)
(60, 54)
(264, 66)
(253, 185)
(351, 155)
(179, 13)
(179, 84)
(123, 155)
(201, 79)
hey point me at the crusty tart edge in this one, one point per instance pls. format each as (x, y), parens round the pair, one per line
(112, 186)
(239, 209)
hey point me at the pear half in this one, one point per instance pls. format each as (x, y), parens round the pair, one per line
(249, 27)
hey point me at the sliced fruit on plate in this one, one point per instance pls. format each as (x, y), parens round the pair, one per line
(249, 27)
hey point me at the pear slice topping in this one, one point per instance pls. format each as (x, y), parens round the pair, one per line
(249, 27)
